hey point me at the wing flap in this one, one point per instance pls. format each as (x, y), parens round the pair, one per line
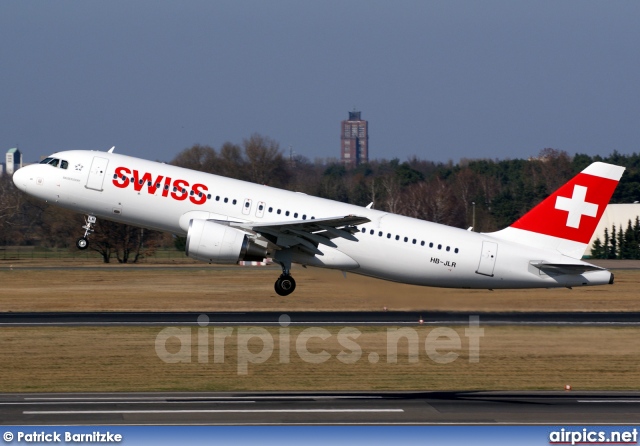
(306, 225)
(307, 234)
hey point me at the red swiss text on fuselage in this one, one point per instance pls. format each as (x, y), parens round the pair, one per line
(125, 176)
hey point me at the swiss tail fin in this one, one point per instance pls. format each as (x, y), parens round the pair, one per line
(566, 220)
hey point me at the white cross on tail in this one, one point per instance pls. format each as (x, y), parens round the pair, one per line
(576, 206)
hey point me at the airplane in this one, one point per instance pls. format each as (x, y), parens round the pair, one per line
(227, 221)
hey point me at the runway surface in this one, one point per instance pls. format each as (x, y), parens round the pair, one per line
(302, 318)
(322, 408)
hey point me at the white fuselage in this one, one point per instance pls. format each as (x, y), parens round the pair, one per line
(390, 247)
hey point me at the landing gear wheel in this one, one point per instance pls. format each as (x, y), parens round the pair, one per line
(285, 285)
(82, 243)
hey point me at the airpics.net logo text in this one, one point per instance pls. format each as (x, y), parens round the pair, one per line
(257, 345)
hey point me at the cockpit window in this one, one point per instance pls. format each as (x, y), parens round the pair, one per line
(55, 162)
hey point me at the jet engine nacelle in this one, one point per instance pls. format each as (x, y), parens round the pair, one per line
(212, 242)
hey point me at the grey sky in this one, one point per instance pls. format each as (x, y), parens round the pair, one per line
(441, 80)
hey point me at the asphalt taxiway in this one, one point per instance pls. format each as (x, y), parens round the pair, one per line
(357, 408)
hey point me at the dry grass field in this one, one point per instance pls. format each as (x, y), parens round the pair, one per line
(126, 358)
(214, 288)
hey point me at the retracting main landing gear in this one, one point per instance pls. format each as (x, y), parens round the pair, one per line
(285, 285)
(83, 242)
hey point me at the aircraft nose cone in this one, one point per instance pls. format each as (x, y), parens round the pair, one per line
(21, 179)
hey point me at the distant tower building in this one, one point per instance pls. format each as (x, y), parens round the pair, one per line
(13, 161)
(354, 139)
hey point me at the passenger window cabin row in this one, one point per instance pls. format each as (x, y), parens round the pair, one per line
(406, 240)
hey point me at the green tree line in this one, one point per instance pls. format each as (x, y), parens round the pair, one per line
(618, 243)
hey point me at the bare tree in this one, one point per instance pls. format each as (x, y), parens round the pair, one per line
(231, 164)
(128, 243)
(306, 176)
(21, 216)
(439, 202)
(390, 185)
(466, 189)
(197, 157)
(264, 161)
(432, 200)
(59, 228)
(557, 168)
(11, 204)
(414, 201)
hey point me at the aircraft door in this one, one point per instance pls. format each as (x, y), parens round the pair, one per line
(260, 209)
(246, 207)
(96, 173)
(487, 259)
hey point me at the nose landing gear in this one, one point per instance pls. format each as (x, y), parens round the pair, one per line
(83, 242)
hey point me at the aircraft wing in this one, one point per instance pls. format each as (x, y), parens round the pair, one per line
(306, 234)
(566, 268)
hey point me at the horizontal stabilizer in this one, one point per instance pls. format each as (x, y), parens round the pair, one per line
(566, 268)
